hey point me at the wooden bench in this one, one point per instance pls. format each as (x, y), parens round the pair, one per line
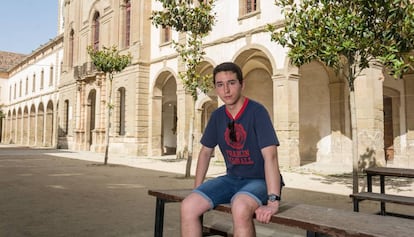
(383, 198)
(316, 220)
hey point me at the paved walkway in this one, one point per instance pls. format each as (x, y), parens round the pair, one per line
(333, 180)
(88, 199)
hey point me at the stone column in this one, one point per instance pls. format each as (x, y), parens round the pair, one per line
(184, 112)
(286, 117)
(80, 116)
(156, 134)
(102, 101)
(370, 118)
(409, 101)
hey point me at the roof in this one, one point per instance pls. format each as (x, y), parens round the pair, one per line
(9, 59)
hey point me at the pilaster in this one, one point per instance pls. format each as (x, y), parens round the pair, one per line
(409, 102)
(286, 118)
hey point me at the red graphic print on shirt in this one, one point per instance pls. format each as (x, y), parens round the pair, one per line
(237, 156)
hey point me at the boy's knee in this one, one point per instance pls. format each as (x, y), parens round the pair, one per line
(194, 206)
(186, 207)
(243, 206)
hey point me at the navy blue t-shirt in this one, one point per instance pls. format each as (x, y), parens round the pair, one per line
(254, 131)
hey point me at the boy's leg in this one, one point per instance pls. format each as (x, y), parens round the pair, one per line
(205, 197)
(192, 207)
(251, 195)
(242, 208)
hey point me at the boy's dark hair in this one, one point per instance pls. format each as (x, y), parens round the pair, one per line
(226, 67)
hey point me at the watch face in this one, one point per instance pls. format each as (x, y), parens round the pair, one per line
(273, 197)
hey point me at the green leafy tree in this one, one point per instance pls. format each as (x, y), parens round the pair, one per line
(109, 61)
(196, 21)
(349, 36)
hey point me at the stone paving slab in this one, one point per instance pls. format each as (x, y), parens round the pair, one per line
(48, 192)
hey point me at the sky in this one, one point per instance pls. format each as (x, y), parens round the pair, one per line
(27, 24)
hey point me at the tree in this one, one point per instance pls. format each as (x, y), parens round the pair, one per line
(196, 21)
(109, 61)
(349, 36)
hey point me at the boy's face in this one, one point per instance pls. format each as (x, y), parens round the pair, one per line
(228, 87)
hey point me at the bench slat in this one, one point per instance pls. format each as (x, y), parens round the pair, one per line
(337, 222)
(387, 171)
(334, 222)
(383, 197)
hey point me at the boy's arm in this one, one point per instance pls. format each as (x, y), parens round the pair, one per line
(273, 182)
(203, 163)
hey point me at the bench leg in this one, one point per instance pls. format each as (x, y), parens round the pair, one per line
(313, 234)
(382, 186)
(159, 217)
(356, 205)
(383, 212)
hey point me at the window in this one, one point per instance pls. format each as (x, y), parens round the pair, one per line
(10, 92)
(71, 44)
(121, 111)
(96, 31)
(250, 6)
(165, 34)
(27, 86)
(20, 88)
(42, 78)
(14, 97)
(66, 118)
(34, 83)
(51, 76)
(247, 7)
(127, 23)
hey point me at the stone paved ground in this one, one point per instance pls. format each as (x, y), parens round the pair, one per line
(46, 192)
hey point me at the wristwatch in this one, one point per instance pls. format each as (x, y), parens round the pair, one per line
(273, 197)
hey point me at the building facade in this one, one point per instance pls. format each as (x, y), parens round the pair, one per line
(153, 113)
(30, 97)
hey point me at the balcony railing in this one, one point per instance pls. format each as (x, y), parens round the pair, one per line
(87, 70)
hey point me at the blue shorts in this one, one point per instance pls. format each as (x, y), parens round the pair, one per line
(223, 189)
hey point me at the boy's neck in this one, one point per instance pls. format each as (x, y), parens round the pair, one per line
(234, 109)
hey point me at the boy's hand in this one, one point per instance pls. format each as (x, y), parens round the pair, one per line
(265, 213)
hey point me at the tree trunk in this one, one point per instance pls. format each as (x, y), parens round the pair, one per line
(355, 157)
(108, 121)
(190, 143)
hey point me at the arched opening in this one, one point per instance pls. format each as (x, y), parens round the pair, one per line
(49, 125)
(40, 125)
(169, 116)
(90, 117)
(314, 114)
(32, 127)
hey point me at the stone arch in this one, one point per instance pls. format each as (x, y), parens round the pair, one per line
(164, 114)
(392, 126)
(119, 111)
(19, 127)
(13, 127)
(32, 127)
(49, 121)
(40, 125)
(257, 70)
(26, 126)
(314, 113)
(91, 118)
(257, 51)
(204, 106)
(8, 127)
